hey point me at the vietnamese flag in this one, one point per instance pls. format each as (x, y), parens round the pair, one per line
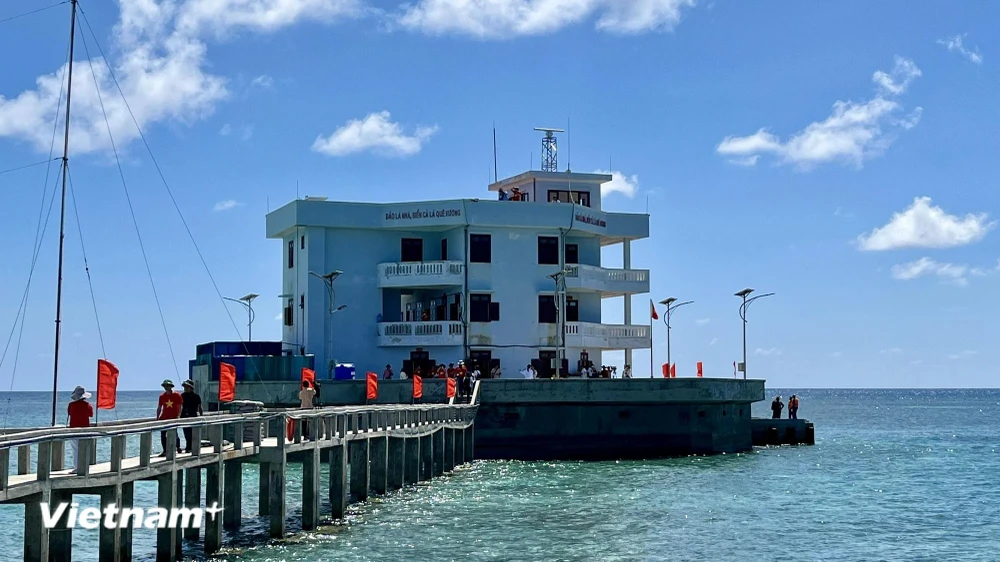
(107, 384)
(372, 386)
(665, 368)
(652, 311)
(418, 387)
(450, 388)
(227, 382)
(309, 375)
(673, 371)
(699, 369)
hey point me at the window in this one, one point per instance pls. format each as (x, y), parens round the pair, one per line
(302, 242)
(572, 253)
(572, 309)
(548, 250)
(480, 248)
(289, 315)
(479, 307)
(411, 249)
(482, 358)
(564, 196)
(444, 249)
(302, 300)
(546, 309)
(291, 255)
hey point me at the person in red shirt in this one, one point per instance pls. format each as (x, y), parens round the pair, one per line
(80, 411)
(169, 408)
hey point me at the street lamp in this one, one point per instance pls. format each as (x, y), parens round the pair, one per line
(671, 307)
(328, 280)
(743, 316)
(559, 278)
(247, 302)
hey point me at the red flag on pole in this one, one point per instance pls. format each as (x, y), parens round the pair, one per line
(652, 310)
(372, 385)
(418, 387)
(699, 368)
(450, 388)
(673, 371)
(665, 369)
(107, 384)
(227, 382)
(309, 375)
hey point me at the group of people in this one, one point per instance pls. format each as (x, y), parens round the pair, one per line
(171, 405)
(464, 377)
(793, 407)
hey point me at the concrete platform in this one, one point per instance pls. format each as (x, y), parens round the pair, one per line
(782, 432)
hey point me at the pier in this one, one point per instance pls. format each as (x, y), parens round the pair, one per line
(371, 450)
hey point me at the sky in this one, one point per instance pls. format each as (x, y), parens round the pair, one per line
(840, 155)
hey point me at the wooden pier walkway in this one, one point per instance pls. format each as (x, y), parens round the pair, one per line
(370, 450)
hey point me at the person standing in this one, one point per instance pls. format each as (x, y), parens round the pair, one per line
(168, 408)
(306, 396)
(190, 408)
(387, 373)
(793, 407)
(80, 411)
(776, 407)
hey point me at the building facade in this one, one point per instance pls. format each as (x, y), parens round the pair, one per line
(510, 280)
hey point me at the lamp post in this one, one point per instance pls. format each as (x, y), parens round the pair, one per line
(328, 280)
(671, 307)
(743, 316)
(247, 302)
(559, 278)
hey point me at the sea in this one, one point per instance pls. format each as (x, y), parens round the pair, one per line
(894, 475)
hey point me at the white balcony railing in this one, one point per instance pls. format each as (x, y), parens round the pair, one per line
(607, 336)
(419, 334)
(609, 282)
(421, 274)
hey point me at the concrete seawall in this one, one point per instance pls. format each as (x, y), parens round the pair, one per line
(782, 432)
(600, 419)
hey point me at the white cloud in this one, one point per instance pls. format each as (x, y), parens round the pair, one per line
(922, 225)
(948, 272)
(502, 19)
(263, 81)
(954, 44)
(374, 133)
(226, 205)
(963, 354)
(890, 350)
(702, 321)
(840, 212)
(620, 183)
(853, 133)
(714, 341)
(769, 351)
(161, 67)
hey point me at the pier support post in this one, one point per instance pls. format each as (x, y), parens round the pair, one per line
(310, 487)
(338, 480)
(412, 471)
(179, 535)
(426, 457)
(61, 537)
(192, 498)
(36, 536)
(109, 540)
(449, 449)
(378, 457)
(438, 439)
(232, 516)
(459, 447)
(166, 538)
(359, 469)
(470, 447)
(125, 536)
(395, 463)
(276, 491)
(214, 491)
(264, 498)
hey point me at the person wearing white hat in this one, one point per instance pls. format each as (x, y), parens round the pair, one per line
(80, 411)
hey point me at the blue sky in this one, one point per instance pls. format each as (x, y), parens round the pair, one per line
(841, 155)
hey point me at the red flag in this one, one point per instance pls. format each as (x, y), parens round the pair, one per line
(665, 368)
(699, 368)
(227, 382)
(372, 385)
(309, 375)
(107, 384)
(449, 388)
(418, 387)
(673, 371)
(652, 310)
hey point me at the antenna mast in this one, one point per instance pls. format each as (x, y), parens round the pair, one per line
(495, 179)
(62, 211)
(549, 159)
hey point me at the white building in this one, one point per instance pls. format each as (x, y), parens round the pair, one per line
(441, 281)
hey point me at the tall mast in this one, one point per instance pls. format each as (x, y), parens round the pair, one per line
(62, 210)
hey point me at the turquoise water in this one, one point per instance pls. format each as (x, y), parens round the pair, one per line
(894, 475)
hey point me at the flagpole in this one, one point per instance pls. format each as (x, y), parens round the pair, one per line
(651, 343)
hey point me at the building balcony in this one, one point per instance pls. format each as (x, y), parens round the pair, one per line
(396, 275)
(588, 335)
(419, 334)
(608, 282)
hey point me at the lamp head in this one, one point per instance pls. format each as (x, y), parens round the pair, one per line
(249, 298)
(333, 275)
(744, 292)
(668, 301)
(341, 307)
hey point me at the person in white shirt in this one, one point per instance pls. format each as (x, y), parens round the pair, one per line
(306, 396)
(403, 376)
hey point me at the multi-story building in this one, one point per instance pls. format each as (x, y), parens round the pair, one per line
(480, 279)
